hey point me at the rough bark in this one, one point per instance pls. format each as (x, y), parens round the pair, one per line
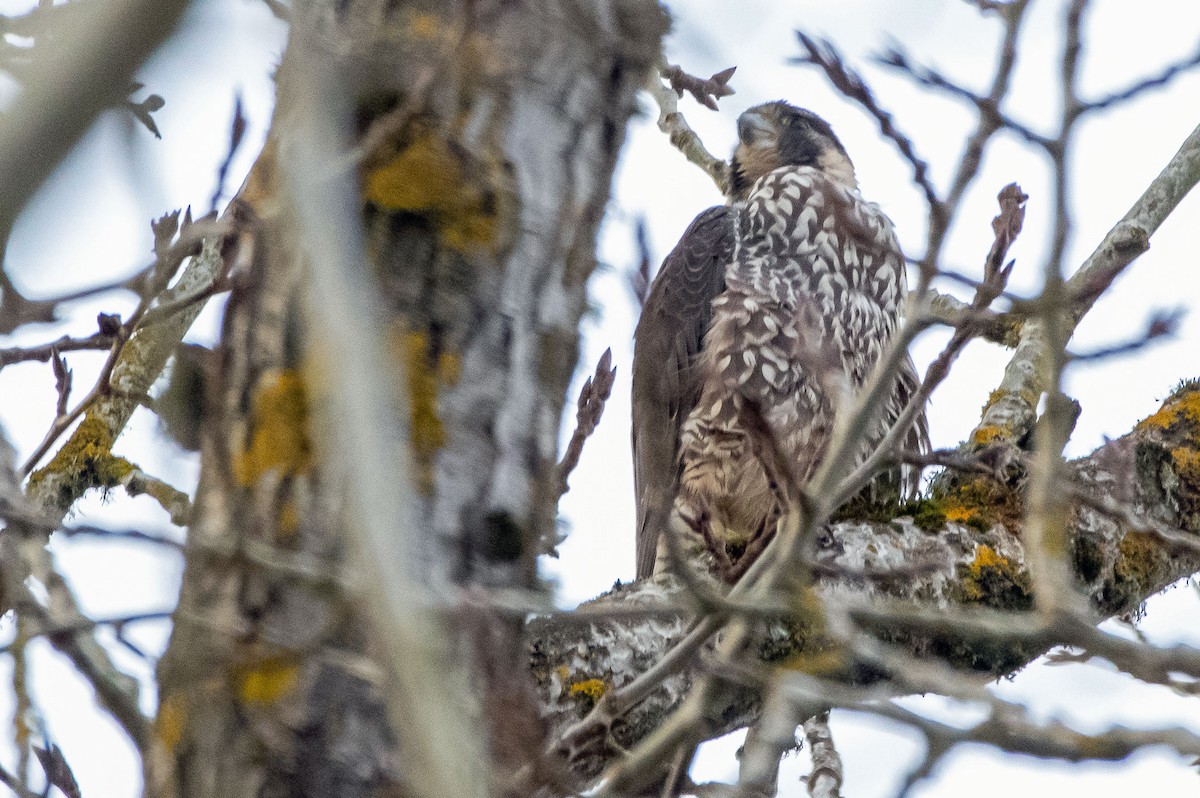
(483, 136)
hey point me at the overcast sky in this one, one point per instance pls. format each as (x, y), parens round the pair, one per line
(90, 223)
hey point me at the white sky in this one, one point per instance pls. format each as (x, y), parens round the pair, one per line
(90, 223)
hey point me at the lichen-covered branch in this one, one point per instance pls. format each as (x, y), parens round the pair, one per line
(1013, 405)
(970, 544)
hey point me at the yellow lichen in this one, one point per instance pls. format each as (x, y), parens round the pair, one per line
(1182, 408)
(979, 502)
(429, 176)
(993, 397)
(85, 461)
(959, 514)
(265, 682)
(169, 724)
(1141, 563)
(289, 519)
(588, 690)
(989, 434)
(427, 377)
(279, 438)
(425, 25)
(1187, 464)
(823, 661)
(995, 580)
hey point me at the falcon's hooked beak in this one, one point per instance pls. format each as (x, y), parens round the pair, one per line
(778, 134)
(755, 129)
(757, 150)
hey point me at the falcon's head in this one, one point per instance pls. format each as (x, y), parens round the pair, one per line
(777, 134)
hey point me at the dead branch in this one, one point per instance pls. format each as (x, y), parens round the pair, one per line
(46, 352)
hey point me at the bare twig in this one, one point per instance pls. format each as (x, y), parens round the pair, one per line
(83, 624)
(706, 91)
(639, 278)
(15, 784)
(58, 771)
(897, 59)
(672, 122)
(1164, 77)
(768, 740)
(62, 383)
(590, 407)
(822, 53)
(46, 352)
(237, 129)
(1162, 323)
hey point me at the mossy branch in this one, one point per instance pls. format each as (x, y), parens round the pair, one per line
(85, 461)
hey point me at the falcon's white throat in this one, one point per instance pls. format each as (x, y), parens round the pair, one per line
(834, 163)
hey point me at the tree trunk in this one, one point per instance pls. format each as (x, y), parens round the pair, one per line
(484, 138)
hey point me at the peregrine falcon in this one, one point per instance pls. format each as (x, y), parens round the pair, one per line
(785, 298)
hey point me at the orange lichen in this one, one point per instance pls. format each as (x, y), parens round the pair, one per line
(985, 435)
(279, 438)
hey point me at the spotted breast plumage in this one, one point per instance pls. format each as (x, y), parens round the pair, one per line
(783, 299)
